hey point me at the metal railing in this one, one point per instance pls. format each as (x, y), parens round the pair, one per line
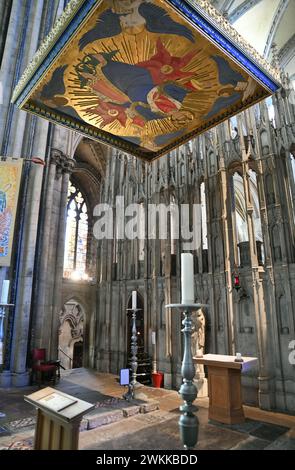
(69, 357)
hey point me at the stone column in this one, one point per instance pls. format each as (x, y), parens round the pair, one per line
(167, 299)
(38, 321)
(20, 375)
(8, 64)
(67, 165)
(262, 326)
(229, 242)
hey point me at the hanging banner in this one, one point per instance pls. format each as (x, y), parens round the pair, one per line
(10, 176)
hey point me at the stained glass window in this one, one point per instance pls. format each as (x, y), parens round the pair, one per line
(76, 235)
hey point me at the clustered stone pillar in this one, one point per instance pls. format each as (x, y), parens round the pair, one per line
(49, 293)
(16, 371)
(67, 166)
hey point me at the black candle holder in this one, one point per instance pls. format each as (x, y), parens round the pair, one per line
(130, 394)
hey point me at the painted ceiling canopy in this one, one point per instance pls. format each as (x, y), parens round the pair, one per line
(143, 75)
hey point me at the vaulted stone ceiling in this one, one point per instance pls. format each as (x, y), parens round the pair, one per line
(90, 168)
(262, 23)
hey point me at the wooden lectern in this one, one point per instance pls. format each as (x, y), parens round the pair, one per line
(58, 419)
(224, 383)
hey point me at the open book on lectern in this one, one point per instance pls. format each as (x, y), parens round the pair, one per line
(57, 402)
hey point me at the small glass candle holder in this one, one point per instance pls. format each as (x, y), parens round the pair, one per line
(239, 357)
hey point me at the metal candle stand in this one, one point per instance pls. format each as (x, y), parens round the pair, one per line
(131, 388)
(188, 422)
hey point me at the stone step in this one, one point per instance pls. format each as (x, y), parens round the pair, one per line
(96, 418)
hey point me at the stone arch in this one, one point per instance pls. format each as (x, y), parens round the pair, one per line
(220, 315)
(216, 248)
(270, 192)
(77, 138)
(182, 172)
(212, 162)
(276, 242)
(71, 331)
(246, 320)
(264, 139)
(90, 168)
(213, 203)
(283, 315)
(220, 326)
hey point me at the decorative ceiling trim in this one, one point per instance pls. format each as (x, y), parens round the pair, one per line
(277, 18)
(224, 30)
(224, 6)
(242, 9)
(63, 24)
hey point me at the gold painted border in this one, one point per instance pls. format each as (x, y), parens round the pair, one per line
(48, 43)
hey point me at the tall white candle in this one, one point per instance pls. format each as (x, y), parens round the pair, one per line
(153, 337)
(4, 292)
(134, 299)
(187, 278)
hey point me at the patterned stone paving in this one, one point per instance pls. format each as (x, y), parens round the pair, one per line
(21, 423)
(153, 418)
(142, 430)
(25, 444)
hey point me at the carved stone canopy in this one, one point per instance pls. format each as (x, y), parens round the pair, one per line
(73, 313)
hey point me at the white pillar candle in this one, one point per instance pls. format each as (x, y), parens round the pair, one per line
(187, 278)
(153, 338)
(134, 300)
(4, 292)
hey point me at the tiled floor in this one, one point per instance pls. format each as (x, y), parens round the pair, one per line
(154, 430)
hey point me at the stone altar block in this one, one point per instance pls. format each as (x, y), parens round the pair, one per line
(224, 377)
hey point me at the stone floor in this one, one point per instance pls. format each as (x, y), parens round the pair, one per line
(148, 423)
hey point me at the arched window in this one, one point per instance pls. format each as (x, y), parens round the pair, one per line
(291, 168)
(76, 235)
(174, 224)
(141, 232)
(271, 110)
(240, 209)
(182, 173)
(204, 217)
(256, 216)
(292, 160)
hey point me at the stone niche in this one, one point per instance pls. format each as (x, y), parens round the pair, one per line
(70, 344)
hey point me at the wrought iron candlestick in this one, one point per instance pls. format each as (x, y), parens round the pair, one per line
(131, 389)
(188, 422)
